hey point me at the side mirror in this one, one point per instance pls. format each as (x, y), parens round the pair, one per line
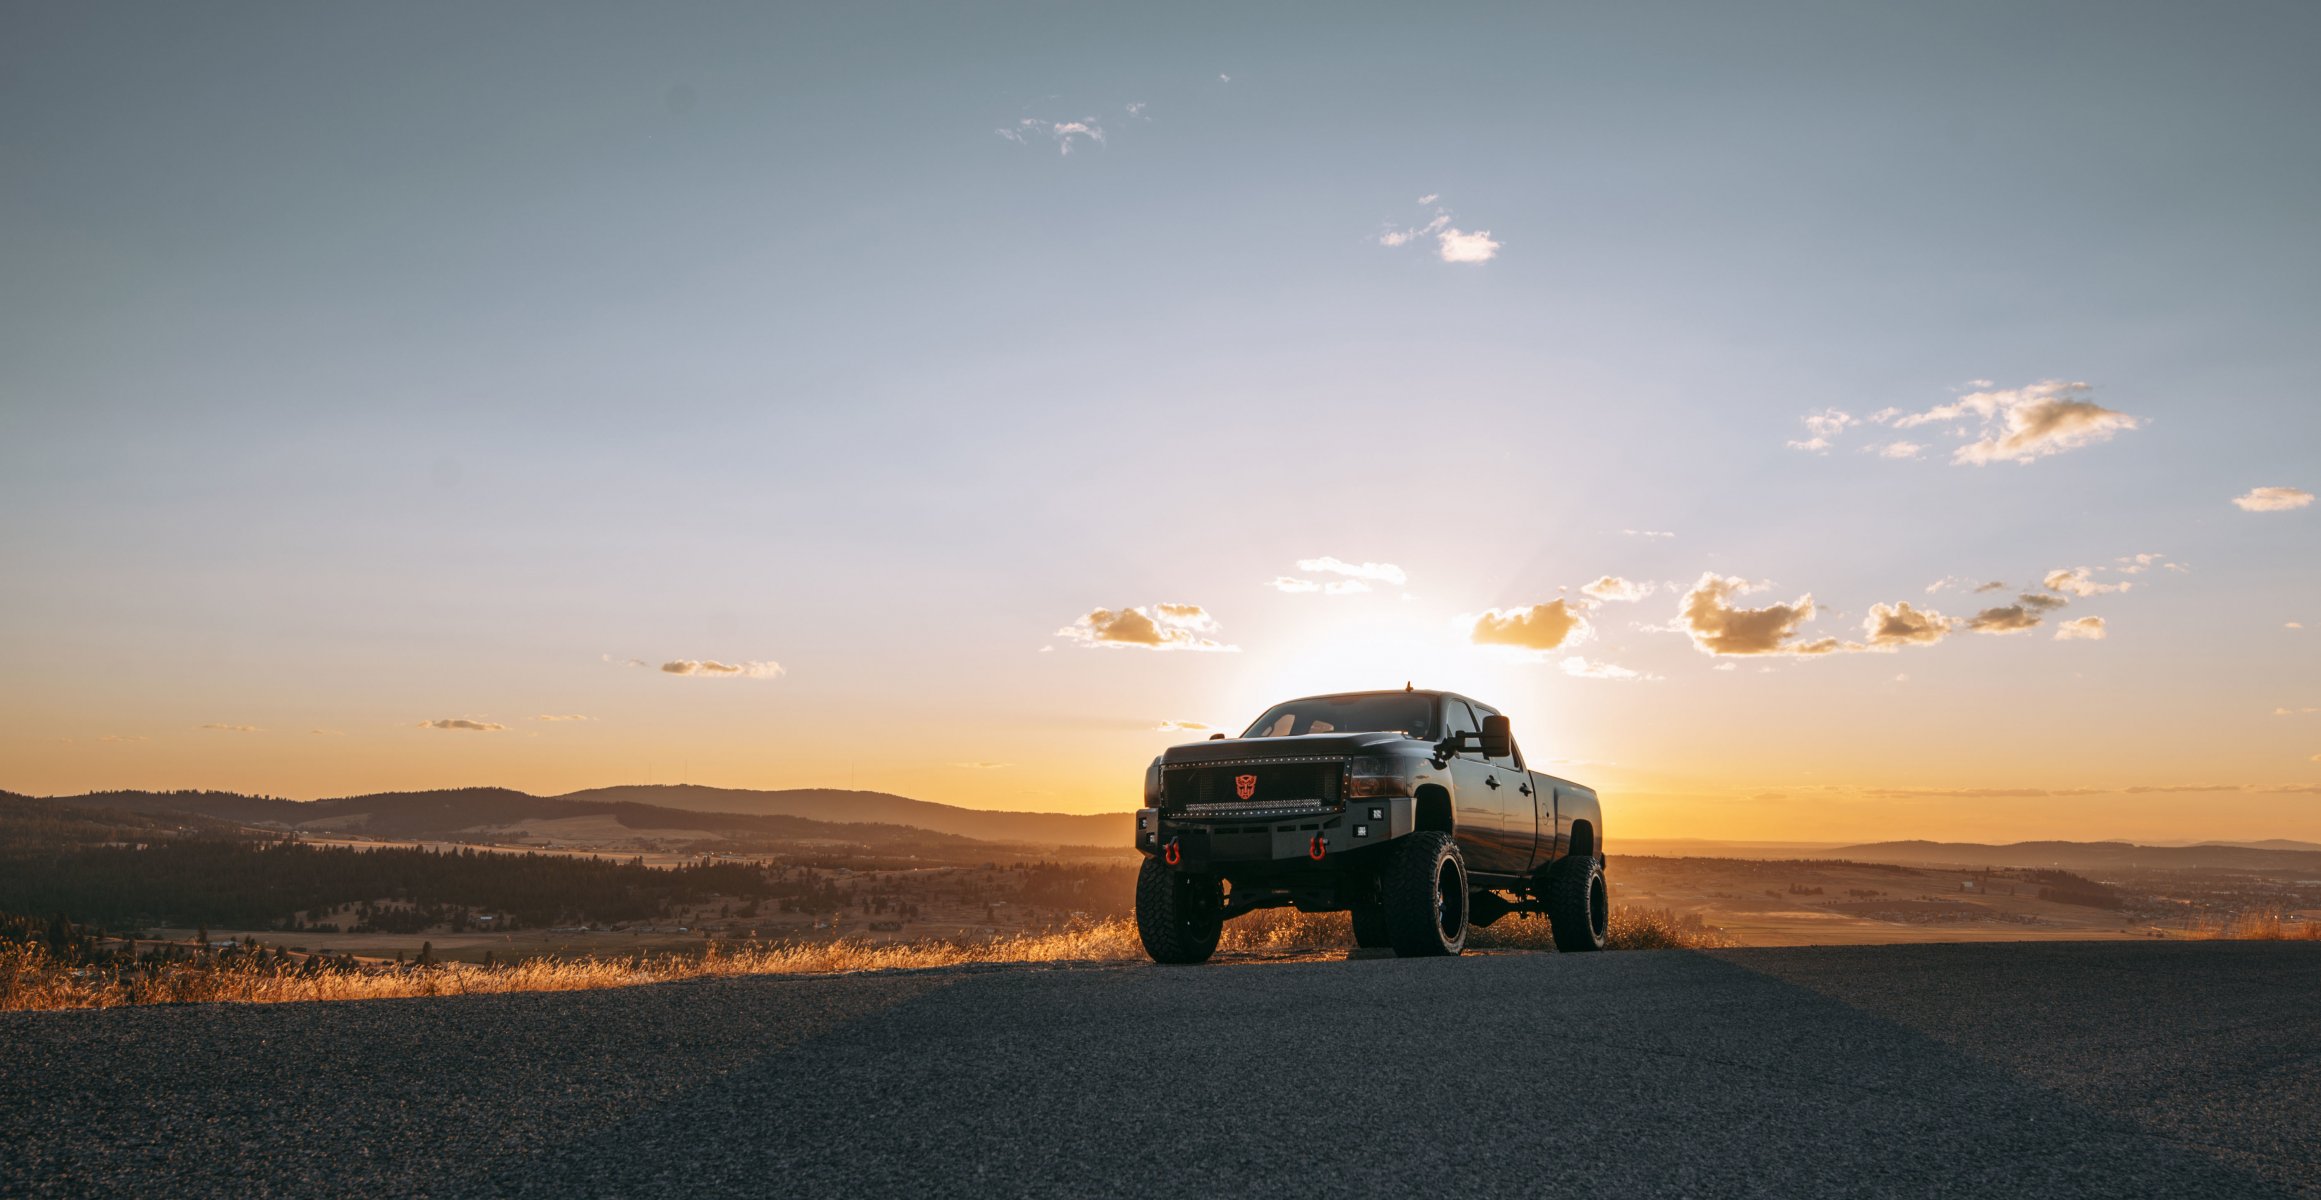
(1498, 737)
(1216, 737)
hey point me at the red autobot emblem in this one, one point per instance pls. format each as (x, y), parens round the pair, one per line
(1245, 786)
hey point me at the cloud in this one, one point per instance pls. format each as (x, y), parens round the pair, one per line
(2040, 602)
(326, 733)
(2273, 499)
(2137, 564)
(712, 669)
(1159, 627)
(234, 728)
(2169, 789)
(1459, 246)
(1897, 450)
(1953, 581)
(1382, 572)
(462, 723)
(982, 766)
(2080, 629)
(1648, 533)
(1345, 587)
(1181, 727)
(1452, 244)
(1613, 589)
(2295, 712)
(2079, 582)
(1824, 426)
(1283, 583)
(1889, 628)
(1539, 627)
(2013, 618)
(561, 717)
(1086, 129)
(1580, 668)
(115, 737)
(1717, 627)
(1136, 108)
(2023, 425)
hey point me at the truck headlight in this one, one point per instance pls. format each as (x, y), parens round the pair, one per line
(1368, 777)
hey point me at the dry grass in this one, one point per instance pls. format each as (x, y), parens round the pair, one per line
(32, 979)
(2253, 927)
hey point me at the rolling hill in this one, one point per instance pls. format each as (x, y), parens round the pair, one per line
(870, 819)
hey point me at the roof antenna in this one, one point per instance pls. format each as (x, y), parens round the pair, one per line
(1406, 686)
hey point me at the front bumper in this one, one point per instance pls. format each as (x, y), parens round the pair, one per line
(1222, 837)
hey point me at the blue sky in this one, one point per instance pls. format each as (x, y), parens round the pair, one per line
(360, 368)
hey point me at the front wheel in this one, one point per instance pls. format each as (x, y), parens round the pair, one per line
(1424, 889)
(1179, 917)
(1579, 909)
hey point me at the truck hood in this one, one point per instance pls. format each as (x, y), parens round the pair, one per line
(1312, 745)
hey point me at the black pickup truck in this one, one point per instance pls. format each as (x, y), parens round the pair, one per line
(1413, 810)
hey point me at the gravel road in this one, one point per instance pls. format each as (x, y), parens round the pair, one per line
(2026, 1069)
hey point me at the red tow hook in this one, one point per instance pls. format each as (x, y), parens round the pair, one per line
(1171, 854)
(1317, 848)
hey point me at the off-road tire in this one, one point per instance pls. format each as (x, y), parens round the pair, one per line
(1424, 888)
(1370, 928)
(1579, 908)
(1179, 916)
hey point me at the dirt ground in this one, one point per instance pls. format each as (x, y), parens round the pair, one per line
(1812, 903)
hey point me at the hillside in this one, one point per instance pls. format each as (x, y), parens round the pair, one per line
(2080, 855)
(835, 804)
(870, 819)
(498, 814)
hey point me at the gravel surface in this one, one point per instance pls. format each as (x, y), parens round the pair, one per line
(2095, 1069)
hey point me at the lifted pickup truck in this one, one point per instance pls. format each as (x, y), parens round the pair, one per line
(1413, 810)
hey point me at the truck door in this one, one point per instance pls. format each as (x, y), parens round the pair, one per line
(1480, 814)
(1535, 799)
(1518, 806)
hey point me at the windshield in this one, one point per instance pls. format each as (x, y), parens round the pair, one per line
(1385, 712)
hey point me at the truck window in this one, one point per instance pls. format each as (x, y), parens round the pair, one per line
(1458, 719)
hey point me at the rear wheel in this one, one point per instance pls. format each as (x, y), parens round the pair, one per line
(1179, 916)
(1579, 909)
(1424, 887)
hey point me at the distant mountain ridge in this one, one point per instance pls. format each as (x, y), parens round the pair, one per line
(2077, 855)
(806, 813)
(826, 804)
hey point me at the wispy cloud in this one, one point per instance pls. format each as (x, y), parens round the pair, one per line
(982, 766)
(117, 737)
(1614, 589)
(561, 717)
(1181, 727)
(463, 724)
(1065, 134)
(1143, 627)
(2273, 499)
(1452, 244)
(1380, 571)
(1580, 668)
(2080, 581)
(1822, 428)
(221, 728)
(707, 668)
(2025, 424)
(1648, 533)
(2084, 629)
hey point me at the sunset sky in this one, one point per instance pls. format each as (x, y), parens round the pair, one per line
(944, 402)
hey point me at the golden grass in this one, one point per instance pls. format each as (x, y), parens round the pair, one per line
(30, 978)
(2253, 927)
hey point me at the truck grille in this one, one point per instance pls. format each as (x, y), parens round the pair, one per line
(1279, 785)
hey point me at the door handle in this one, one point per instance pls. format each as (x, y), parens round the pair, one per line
(1492, 782)
(1525, 789)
